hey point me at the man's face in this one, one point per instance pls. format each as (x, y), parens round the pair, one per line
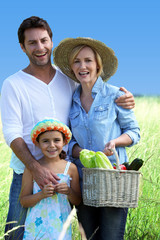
(37, 46)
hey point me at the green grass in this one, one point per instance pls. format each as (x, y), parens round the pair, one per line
(5, 179)
(143, 222)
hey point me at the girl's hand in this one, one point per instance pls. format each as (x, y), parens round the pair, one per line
(107, 150)
(62, 188)
(48, 190)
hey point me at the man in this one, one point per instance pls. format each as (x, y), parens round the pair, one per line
(28, 96)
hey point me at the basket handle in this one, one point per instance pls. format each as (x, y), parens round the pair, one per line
(117, 158)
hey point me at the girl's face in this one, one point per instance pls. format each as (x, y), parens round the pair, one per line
(51, 143)
(85, 66)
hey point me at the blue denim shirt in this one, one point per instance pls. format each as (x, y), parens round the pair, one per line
(104, 121)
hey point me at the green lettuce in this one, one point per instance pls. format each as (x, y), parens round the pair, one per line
(91, 159)
(102, 161)
(86, 158)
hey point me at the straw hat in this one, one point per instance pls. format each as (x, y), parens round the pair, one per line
(49, 125)
(62, 52)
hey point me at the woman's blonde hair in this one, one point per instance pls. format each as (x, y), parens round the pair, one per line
(75, 51)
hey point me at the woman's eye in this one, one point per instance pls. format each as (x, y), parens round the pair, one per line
(76, 61)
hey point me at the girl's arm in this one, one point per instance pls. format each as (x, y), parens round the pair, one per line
(27, 198)
(73, 192)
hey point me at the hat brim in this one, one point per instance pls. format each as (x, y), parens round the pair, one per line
(49, 125)
(62, 52)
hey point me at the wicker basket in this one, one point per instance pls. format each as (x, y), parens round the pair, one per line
(111, 188)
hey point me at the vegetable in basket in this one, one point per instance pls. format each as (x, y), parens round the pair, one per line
(136, 164)
(86, 158)
(91, 159)
(122, 167)
(102, 161)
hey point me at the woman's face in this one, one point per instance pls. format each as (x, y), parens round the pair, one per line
(85, 66)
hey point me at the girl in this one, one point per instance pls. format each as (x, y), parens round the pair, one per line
(97, 123)
(50, 207)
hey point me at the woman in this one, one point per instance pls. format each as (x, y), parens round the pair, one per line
(97, 123)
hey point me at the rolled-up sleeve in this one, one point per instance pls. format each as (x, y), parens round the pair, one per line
(11, 113)
(128, 123)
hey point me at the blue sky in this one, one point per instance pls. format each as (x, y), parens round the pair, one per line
(130, 28)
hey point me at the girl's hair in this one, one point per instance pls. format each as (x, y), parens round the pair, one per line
(76, 51)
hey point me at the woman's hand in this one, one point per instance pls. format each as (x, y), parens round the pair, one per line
(126, 100)
(110, 145)
(122, 141)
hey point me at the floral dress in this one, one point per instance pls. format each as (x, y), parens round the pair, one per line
(45, 220)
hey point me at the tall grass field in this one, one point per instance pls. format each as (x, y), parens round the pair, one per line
(143, 222)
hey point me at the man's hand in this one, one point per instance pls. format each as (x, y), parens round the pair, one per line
(44, 176)
(40, 174)
(126, 100)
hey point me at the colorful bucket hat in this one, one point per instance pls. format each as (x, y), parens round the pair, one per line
(49, 125)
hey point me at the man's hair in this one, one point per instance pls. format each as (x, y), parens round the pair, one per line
(32, 22)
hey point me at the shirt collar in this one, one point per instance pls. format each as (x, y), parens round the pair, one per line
(96, 88)
(98, 85)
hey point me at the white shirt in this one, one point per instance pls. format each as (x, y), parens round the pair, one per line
(25, 100)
